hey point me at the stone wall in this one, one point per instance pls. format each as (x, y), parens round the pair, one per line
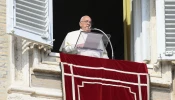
(4, 52)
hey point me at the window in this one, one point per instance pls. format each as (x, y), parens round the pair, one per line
(31, 19)
(165, 12)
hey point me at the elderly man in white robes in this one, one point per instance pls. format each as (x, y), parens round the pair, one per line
(70, 44)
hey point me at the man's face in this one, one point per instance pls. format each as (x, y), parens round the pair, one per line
(85, 23)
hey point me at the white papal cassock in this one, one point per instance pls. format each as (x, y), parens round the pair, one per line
(70, 44)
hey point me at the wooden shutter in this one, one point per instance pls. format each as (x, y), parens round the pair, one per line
(170, 25)
(165, 15)
(33, 20)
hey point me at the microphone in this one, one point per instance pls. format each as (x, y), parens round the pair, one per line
(90, 27)
(107, 38)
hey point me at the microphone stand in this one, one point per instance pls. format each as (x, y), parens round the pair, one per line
(107, 38)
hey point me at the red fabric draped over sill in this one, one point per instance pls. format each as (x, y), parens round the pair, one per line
(89, 78)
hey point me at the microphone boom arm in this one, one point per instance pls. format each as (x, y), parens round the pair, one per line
(108, 40)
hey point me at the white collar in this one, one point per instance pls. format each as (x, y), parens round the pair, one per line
(81, 29)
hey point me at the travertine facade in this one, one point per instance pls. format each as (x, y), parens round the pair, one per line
(27, 72)
(35, 75)
(4, 53)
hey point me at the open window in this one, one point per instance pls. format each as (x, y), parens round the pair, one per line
(106, 15)
(31, 19)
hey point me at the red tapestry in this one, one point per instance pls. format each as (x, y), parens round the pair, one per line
(89, 78)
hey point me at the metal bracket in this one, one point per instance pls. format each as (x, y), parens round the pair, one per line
(52, 41)
(45, 35)
(168, 53)
(156, 65)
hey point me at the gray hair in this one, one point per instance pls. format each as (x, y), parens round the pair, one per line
(83, 17)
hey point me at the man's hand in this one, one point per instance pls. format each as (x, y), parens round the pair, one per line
(70, 49)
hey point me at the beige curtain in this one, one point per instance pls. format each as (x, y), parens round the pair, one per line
(127, 27)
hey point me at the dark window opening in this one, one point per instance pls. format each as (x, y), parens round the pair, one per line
(106, 15)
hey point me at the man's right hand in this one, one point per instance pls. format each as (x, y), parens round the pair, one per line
(70, 49)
